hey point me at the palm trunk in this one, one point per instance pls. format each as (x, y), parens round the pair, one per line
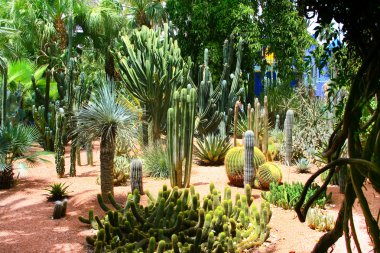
(107, 153)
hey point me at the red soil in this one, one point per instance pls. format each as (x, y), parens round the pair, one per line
(26, 224)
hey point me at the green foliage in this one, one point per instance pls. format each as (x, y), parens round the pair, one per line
(177, 220)
(211, 149)
(152, 67)
(303, 165)
(287, 195)
(155, 159)
(57, 191)
(234, 164)
(320, 220)
(269, 173)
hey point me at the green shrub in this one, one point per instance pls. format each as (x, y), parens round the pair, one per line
(155, 161)
(177, 221)
(57, 191)
(211, 149)
(287, 195)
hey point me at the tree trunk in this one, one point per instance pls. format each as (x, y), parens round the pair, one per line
(144, 123)
(6, 177)
(107, 153)
(109, 65)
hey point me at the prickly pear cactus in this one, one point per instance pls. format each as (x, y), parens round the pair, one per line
(179, 221)
(269, 172)
(136, 176)
(234, 164)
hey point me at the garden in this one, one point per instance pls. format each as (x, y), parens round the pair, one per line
(189, 126)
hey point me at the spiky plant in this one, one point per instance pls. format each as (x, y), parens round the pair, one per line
(14, 143)
(155, 159)
(212, 149)
(303, 165)
(103, 117)
(57, 191)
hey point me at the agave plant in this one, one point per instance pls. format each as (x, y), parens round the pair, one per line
(156, 163)
(57, 191)
(303, 165)
(212, 149)
(14, 143)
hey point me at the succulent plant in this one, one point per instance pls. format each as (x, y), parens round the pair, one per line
(234, 164)
(121, 170)
(136, 176)
(177, 221)
(320, 220)
(57, 191)
(155, 159)
(303, 165)
(269, 173)
(60, 208)
(212, 149)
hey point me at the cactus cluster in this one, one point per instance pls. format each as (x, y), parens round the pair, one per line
(180, 127)
(287, 195)
(234, 164)
(320, 220)
(177, 221)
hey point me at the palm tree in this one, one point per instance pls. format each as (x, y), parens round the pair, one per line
(146, 13)
(103, 117)
(14, 142)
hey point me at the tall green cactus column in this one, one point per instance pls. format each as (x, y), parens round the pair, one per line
(180, 127)
(257, 121)
(59, 147)
(265, 127)
(288, 126)
(249, 155)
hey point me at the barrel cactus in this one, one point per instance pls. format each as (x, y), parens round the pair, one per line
(234, 163)
(269, 172)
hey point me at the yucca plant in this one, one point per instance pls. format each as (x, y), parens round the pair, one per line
(155, 159)
(57, 191)
(14, 143)
(103, 117)
(211, 149)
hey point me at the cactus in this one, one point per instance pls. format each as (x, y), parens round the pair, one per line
(136, 176)
(180, 124)
(234, 164)
(277, 124)
(4, 72)
(60, 208)
(236, 117)
(320, 220)
(257, 121)
(265, 130)
(267, 173)
(288, 125)
(59, 147)
(249, 169)
(175, 222)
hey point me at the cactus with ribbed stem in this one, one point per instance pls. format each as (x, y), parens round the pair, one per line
(136, 176)
(265, 130)
(257, 121)
(59, 147)
(249, 166)
(236, 117)
(177, 221)
(277, 124)
(269, 173)
(234, 164)
(288, 127)
(180, 125)
(90, 160)
(60, 209)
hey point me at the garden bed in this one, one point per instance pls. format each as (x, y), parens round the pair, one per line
(26, 224)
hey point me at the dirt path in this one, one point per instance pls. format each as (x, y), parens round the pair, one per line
(26, 224)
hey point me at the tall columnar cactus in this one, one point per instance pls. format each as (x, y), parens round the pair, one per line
(277, 124)
(136, 176)
(59, 147)
(265, 127)
(249, 166)
(289, 120)
(236, 118)
(257, 121)
(180, 128)
(90, 160)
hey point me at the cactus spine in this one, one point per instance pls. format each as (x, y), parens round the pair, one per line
(265, 125)
(289, 120)
(136, 176)
(180, 124)
(249, 169)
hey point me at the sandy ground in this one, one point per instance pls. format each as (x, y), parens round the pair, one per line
(26, 224)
